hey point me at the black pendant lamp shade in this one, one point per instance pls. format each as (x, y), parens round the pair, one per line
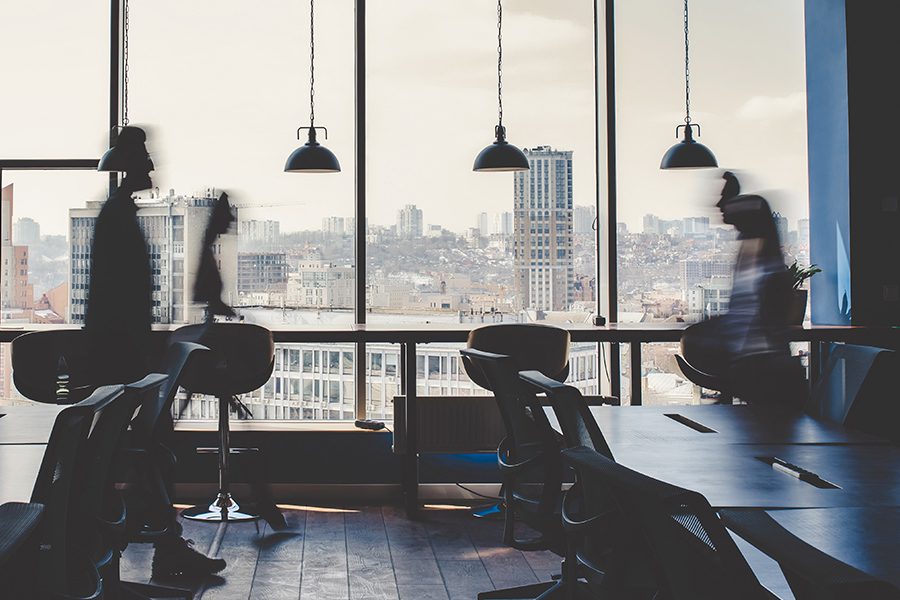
(312, 157)
(688, 153)
(128, 152)
(501, 155)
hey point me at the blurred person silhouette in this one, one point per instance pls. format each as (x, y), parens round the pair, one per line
(748, 346)
(208, 286)
(119, 314)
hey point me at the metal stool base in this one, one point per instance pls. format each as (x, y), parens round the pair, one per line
(223, 508)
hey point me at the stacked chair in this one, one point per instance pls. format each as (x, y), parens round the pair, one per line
(67, 542)
(529, 456)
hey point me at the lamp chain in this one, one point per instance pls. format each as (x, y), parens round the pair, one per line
(312, 65)
(499, 63)
(687, 69)
(125, 67)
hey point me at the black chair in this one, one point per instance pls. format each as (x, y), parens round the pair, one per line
(530, 346)
(39, 358)
(150, 462)
(701, 364)
(530, 465)
(102, 512)
(854, 390)
(241, 361)
(65, 569)
(587, 518)
(691, 555)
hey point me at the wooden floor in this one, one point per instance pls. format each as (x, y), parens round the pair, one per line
(356, 553)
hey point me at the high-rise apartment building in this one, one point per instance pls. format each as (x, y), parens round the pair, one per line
(26, 231)
(409, 222)
(781, 224)
(260, 233)
(503, 223)
(338, 225)
(651, 224)
(483, 224)
(543, 224)
(15, 291)
(173, 228)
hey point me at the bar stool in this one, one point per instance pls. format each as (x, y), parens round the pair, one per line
(241, 360)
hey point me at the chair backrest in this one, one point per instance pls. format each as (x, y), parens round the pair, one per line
(528, 431)
(156, 407)
(692, 554)
(858, 389)
(579, 428)
(531, 346)
(244, 357)
(523, 416)
(36, 361)
(61, 483)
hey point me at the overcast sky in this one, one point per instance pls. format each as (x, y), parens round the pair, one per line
(222, 86)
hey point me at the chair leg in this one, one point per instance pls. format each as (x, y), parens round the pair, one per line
(524, 591)
(149, 591)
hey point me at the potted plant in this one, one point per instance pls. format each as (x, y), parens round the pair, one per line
(800, 297)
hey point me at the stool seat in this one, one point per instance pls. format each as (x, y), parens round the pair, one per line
(241, 360)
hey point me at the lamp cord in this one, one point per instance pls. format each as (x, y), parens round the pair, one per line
(312, 65)
(125, 67)
(499, 63)
(687, 69)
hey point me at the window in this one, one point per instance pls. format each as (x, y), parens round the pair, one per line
(442, 244)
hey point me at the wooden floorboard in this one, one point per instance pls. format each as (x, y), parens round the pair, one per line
(354, 553)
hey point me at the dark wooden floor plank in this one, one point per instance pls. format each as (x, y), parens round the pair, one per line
(356, 553)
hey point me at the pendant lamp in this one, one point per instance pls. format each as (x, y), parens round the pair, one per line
(312, 157)
(688, 153)
(501, 155)
(126, 143)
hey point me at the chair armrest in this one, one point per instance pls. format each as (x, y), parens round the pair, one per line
(577, 526)
(801, 560)
(519, 466)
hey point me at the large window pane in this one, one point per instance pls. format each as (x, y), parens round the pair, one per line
(445, 244)
(748, 84)
(222, 111)
(55, 69)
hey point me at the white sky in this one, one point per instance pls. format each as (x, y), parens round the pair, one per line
(222, 85)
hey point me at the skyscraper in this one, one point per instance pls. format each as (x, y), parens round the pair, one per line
(409, 222)
(173, 227)
(584, 219)
(543, 223)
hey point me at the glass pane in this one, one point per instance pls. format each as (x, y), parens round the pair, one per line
(55, 100)
(45, 259)
(748, 82)
(446, 244)
(223, 114)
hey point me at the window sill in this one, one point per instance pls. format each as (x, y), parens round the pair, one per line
(279, 426)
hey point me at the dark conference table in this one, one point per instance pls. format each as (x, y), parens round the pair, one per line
(865, 538)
